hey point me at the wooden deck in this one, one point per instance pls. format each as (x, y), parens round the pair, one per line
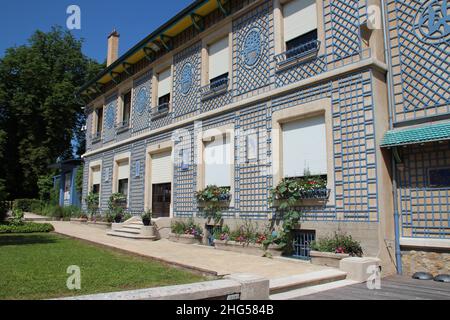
(392, 288)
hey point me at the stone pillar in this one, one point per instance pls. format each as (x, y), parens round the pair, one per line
(253, 287)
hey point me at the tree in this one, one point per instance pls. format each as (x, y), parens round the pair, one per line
(39, 112)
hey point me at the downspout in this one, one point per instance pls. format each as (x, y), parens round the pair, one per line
(398, 256)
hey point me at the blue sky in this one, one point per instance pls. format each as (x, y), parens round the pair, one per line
(134, 19)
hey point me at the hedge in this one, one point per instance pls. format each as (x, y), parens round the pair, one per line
(27, 227)
(27, 205)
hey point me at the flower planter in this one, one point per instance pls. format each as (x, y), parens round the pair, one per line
(99, 224)
(328, 259)
(247, 248)
(184, 238)
(148, 231)
(78, 220)
(221, 204)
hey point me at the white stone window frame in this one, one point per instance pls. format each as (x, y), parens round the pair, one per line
(148, 186)
(115, 181)
(280, 43)
(157, 70)
(92, 166)
(206, 136)
(303, 111)
(213, 37)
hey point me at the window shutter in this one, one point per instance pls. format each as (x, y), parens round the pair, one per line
(124, 170)
(218, 58)
(164, 83)
(305, 147)
(300, 17)
(161, 168)
(96, 176)
(217, 160)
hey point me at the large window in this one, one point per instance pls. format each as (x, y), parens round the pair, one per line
(123, 176)
(217, 161)
(126, 111)
(218, 62)
(96, 180)
(300, 23)
(164, 89)
(99, 122)
(304, 148)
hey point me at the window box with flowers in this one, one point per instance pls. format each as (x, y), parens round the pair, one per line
(212, 201)
(186, 232)
(309, 190)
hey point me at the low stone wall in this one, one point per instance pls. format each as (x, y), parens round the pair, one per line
(327, 259)
(234, 287)
(433, 262)
(184, 238)
(247, 248)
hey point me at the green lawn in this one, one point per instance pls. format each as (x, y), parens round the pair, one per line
(34, 266)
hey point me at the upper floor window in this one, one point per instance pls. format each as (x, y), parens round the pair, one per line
(99, 122)
(164, 89)
(300, 23)
(218, 62)
(126, 109)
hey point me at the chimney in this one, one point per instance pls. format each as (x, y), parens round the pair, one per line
(113, 47)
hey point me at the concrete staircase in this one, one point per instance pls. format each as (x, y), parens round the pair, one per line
(133, 229)
(296, 286)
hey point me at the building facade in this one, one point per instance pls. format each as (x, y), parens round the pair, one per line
(280, 89)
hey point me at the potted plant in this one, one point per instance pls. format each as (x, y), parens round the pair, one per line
(92, 201)
(147, 218)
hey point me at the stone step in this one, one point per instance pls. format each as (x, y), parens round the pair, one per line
(131, 231)
(130, 235)
(298, 293)
(285, 284)
(133, 227)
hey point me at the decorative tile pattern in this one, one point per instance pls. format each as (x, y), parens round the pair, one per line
(253, 50)
(421, 80)
(109, 130)
(345, 39)
(187, 70)
(425, 210)
(141, 103)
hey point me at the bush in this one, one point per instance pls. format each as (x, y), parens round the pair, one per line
(26, 205)
(27, 227)
(339, 243)
(188, 228)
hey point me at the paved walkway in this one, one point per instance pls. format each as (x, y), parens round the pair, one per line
(197, 257)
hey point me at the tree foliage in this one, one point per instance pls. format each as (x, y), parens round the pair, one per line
(39, 113)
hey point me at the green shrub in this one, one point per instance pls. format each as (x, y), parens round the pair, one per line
(27, 227)
(26, 205)
(339, 243)
(17, 217)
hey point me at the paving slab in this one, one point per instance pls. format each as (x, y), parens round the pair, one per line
(199, 258)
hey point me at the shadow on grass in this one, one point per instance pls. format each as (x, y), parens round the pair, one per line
(26, 239)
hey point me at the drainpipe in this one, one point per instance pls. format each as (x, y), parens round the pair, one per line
(398, 256)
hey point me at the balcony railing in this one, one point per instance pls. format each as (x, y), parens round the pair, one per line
(299, 54)
(214, 89)
(96, 137)
(161, 110)
(123, 126)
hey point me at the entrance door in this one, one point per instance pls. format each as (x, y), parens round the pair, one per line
(161, 200)
(161, 180)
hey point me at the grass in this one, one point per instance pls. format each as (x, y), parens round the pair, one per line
(34, 266)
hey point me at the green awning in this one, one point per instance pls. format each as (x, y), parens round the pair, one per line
(428, 133)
